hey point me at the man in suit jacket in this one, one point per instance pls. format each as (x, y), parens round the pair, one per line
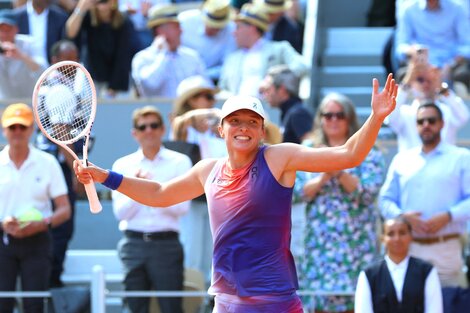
(244, 69)
(49, 24)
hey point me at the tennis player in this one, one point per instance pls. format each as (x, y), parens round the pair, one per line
(249, 198)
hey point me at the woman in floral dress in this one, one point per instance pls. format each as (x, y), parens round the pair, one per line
(340, 236)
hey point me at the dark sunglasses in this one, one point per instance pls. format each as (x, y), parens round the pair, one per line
(143, 127)
(206, 95)
(330, 115)
(422, 80)
(17, 126)
(430, 120)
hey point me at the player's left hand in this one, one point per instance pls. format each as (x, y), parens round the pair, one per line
(383, 103)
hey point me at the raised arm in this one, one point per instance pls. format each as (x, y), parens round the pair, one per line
(151, 193)
(354, 151)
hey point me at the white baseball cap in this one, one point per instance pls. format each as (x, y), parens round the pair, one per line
(236, 103)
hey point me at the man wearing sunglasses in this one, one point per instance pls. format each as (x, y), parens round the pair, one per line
(150, 249)
(422, 83)
(429, 186)
(31, 180)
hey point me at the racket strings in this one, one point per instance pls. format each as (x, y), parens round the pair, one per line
(65, 100)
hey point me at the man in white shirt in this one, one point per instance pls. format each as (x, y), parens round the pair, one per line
(150, 250)
(158, 69)
(209, 31)
(422, 84)
(30, 181)
(244, 69)
(21, 63)
(399, 281)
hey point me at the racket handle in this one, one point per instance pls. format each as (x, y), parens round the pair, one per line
(95, 205)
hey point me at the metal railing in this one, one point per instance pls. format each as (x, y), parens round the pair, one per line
(99, 292)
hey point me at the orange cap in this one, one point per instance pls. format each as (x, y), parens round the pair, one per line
(17, 113)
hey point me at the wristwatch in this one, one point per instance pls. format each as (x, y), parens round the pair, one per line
(444, 90)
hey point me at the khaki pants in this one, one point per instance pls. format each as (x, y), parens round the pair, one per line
(446, 258)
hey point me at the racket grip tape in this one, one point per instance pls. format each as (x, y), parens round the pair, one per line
(95, 205)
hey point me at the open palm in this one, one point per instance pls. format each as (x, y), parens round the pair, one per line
(383, 103)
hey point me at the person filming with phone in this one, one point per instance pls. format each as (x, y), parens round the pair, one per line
(422, 83)
(20, 62)
(444, 29)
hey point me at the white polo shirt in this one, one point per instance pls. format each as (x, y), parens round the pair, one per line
(34, 184)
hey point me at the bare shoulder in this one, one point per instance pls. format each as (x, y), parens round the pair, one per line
(204, 167)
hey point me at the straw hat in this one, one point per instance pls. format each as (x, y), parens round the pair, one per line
(162, 13)
(275, 6)
(190, 87)
(254, 15)
(217, 13)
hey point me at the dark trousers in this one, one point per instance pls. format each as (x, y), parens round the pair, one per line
(61, 236)
(155, 264)
(30, 259)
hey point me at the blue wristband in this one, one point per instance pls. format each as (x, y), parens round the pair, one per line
(114, 180)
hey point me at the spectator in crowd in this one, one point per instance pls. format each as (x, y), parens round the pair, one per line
(429, 186)
(280, 88)
(138, 11)
(209, 31)
(108, 39)
(30, 180)
(63, 50)
(281, 27)
(399, 281)
(421, 84)
(340, 236)
(150, 250)
(249, 196)
(244, 69)
(20, 63)
(447, 46)
(196, 122)
(44, 21)
(158, 69)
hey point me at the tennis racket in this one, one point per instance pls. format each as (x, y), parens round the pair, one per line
(64, 105)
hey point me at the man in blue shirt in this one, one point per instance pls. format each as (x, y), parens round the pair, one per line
(430, 187)
(447, 46)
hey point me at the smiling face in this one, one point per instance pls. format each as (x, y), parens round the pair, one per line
(242, 130)
(334, 122)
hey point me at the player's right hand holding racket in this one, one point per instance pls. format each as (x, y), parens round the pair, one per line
(64, 103)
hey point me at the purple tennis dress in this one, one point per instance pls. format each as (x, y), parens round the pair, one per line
(250, 216)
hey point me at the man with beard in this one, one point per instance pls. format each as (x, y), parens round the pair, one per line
(430, 187)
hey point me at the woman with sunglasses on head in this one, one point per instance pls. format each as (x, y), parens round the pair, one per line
(340, 236)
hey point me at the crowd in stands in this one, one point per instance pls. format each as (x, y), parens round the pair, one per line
(219, 48)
